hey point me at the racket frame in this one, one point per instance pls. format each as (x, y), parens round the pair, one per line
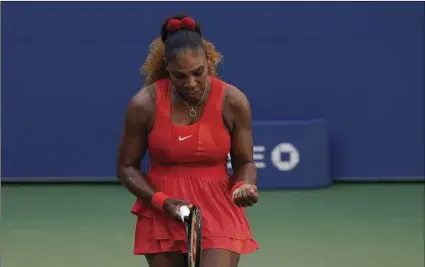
(195, 213)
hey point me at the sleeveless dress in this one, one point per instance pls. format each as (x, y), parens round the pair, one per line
(189, 162)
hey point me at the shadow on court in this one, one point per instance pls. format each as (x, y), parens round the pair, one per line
(344, 226)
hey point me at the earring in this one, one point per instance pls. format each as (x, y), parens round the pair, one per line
(165, 63)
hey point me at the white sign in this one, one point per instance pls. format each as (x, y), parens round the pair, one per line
(275, 157)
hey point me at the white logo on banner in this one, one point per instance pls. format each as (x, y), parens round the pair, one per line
(287, 165)
(276, 157)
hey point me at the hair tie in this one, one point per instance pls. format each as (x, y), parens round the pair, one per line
(185, 23)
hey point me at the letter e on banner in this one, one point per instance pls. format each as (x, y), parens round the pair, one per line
(285, 165)
(258, 158)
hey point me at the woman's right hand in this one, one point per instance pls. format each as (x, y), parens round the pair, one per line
(171, 207)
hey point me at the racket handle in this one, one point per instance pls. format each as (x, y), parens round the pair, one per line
(184, 211)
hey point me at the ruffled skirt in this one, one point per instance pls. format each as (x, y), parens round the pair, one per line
(224, 225)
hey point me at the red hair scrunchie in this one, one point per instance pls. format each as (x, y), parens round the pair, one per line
(185, 23)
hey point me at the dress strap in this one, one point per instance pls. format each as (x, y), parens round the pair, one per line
(214, 108)
(162, 88)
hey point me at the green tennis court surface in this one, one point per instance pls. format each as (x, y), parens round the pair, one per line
(345, 226)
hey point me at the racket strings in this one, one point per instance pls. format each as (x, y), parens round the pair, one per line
(194, 237)
(193, 240)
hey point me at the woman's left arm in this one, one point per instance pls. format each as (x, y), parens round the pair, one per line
(244, 180)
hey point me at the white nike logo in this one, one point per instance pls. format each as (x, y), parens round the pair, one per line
(184, 138)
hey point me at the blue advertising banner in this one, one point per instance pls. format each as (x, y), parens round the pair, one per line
(287, 155)
(291, 154)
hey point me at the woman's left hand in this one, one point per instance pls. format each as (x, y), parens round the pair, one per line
(245, 195)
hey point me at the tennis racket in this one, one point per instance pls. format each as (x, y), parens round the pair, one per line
(192, 220)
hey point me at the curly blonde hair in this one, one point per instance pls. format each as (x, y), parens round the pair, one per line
(154, 66)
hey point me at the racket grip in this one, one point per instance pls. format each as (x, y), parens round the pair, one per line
(183, 211)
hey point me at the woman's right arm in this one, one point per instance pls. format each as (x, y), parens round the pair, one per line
(134, 143)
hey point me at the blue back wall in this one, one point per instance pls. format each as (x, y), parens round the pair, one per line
(69, 70)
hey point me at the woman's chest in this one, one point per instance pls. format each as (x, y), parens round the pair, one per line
(201, 142)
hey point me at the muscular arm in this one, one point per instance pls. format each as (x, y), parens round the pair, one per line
(241, 137)
(133, 145)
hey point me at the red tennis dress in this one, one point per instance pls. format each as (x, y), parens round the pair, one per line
(189, 162)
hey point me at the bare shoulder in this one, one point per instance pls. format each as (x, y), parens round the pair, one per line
(144, 99)
(142, 104)
(236, 100)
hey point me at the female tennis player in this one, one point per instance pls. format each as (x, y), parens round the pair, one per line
(189, 120)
